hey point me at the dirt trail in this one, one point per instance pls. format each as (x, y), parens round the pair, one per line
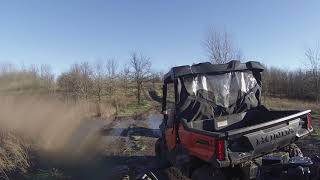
(102, 150)
(129, 144)
(131, 150)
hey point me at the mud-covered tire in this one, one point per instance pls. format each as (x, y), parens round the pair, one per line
(160, 152)
(294, 150)
(206, 172)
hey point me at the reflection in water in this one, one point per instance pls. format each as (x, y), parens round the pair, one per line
(154, 121)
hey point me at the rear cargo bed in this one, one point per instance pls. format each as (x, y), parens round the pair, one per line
(240, 120)
(289, 115)
(256, 140)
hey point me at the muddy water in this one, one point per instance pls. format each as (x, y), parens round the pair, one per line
(101, 149)
(154, 122)
(129, 144)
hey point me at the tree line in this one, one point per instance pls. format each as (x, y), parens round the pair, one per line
(107, 79)
(303, 84)
(101, 81)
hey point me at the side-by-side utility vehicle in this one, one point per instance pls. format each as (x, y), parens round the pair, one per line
(215, 126)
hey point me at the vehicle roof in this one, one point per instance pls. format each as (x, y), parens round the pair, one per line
(209, 68)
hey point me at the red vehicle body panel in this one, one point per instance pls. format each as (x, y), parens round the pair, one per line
(171, 139)
(198, 145)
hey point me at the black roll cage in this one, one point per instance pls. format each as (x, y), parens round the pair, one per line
(204, 68)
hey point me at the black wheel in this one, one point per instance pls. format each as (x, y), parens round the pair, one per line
(160, 152)
(188, 168)
(207, 172)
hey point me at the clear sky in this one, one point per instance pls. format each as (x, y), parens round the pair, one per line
(61, 32)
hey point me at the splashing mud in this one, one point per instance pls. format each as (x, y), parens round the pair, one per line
(67, 137)
(57, 130)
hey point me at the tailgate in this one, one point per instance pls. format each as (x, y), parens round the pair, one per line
(247, 143)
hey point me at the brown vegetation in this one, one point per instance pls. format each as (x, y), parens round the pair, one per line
(302, 84)
(291, 104)
(13, 153)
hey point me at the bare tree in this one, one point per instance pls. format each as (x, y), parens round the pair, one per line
(99, 77)
(47, 77)
(220, 47)
(6, 68)
(77, 81)
(85, 78)
(156, 77)
(112, 67)
(313, 58)
(64, 82)
(140, 66)
(125, 77)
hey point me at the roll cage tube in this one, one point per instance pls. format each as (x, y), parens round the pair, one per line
(164, 98)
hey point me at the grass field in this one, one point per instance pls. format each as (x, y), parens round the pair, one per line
(277, 103)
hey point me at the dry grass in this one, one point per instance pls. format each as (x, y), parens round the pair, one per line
(13, 153)
(282, 104)
(289, 104)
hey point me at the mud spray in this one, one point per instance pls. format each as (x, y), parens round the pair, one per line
(67, 136)
(65, 131)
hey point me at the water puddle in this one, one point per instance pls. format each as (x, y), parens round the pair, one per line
(154, 121)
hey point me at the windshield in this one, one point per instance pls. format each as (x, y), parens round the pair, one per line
(223, 90)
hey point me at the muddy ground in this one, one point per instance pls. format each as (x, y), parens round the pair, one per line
(102, 149)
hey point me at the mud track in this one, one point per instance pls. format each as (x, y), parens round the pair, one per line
(102, 149)
(132, 150)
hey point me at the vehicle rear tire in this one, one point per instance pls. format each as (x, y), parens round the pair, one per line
(160, 152)
(207, 172)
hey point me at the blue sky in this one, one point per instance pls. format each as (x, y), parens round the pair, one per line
(61, 32)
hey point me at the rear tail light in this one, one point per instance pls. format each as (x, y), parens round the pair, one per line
(309, 118)
(220, 150)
